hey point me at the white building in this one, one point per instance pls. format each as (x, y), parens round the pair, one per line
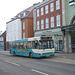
(13, 30)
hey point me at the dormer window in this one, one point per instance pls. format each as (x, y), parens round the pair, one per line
(19, 16)
(71, 2)
(24, 14)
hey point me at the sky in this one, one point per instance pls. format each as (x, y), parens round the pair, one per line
(10, 8)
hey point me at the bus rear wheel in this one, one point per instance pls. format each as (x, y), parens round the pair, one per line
(30, 55)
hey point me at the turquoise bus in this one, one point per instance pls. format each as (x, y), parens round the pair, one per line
(32, 47)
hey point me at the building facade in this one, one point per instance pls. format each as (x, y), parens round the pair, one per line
(27, 24)
(20, 27)
(48, 21)
(13, 31)
(68, 28)
(3, 41)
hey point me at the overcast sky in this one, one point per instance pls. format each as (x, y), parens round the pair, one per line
(9, 8)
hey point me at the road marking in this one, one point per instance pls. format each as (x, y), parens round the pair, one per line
(12, 63)
(39, 72)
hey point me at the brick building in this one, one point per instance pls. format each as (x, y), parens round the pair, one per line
(27, 24)
(48, 21)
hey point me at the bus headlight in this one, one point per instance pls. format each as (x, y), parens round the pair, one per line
(40, 53)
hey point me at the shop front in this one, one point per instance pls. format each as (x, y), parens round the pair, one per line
(69, 38)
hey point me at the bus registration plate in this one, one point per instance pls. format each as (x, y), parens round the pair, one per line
(47, 55)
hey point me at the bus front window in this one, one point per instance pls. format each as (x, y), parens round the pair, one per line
(46, 44)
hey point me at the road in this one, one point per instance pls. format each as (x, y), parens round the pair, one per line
(17, 65)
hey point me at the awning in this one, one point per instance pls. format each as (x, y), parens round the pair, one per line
(68, 27)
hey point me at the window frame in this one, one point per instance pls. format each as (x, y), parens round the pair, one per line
(51, 7)
(58, 20)
(52, 22)
(57, 4)
(42, 24)
(47, 23)
(46, 9)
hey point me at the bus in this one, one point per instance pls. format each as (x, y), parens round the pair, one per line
(33, 47)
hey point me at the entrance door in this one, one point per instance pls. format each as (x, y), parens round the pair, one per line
(73, 43)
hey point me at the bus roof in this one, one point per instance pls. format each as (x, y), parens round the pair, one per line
(22, 40)
(31, 39)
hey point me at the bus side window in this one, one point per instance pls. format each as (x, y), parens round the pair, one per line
(21, 45)
(25, 45)
(30, 45)
(17, 45)
(14, 45)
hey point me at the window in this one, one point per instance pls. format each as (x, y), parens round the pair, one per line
(47, 23)
(42, 12)
(24, 14)
(42, 24)
(24, 25)
(52, 21)
(37, 12)
(58, 20)
(23, 35)
(37, 25)
(52, 7)
(46, 9)
(57, 4)
(17, 45)
(21, 45)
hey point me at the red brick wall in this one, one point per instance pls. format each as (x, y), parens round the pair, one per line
(50, 14)
(28, 27)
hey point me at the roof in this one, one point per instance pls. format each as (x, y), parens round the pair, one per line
(4, 33)
(29, 14)
(29, 10)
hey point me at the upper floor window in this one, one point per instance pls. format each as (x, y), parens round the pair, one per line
(52, 7)
(37, 25)
(42, 24)
(23, 35)
(42, 12)
(37, 12)
(47, 23)
(58, 20)
(52, 21)
(46, 9)
(57, 4)
(24, 25)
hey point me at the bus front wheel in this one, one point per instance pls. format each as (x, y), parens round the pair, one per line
(30, 55)
(14, 53)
